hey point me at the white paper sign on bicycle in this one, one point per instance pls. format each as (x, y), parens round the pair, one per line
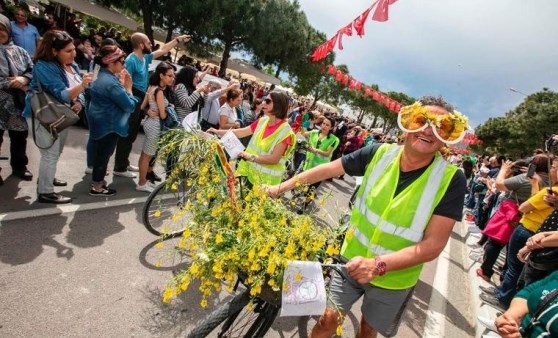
(304, 292)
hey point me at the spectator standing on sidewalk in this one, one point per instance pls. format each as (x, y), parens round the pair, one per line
(24, 34)
(403, 216)
(60, 77)
(159, 81)
(111, 104)
(137, 64)
(15, 74)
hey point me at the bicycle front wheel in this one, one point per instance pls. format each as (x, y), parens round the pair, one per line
(164, 212)
(238, 320)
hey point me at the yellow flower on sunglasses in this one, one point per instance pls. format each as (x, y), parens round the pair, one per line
(449, 128)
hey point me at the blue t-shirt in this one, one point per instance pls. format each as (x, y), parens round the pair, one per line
(139, 71)
(26, 38)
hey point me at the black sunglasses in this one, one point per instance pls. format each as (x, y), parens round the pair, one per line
(268, 101)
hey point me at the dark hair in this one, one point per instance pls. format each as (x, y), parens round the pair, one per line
(467, 168)
(332, 121)
(233, 94)
(256, 103)
(280, 104)
(162, 68)
(186, 76)
(104, 51)
(109, 42)
(57, 40)
(541, 162)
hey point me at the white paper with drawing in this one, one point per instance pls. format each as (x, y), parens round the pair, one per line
(304, 291)
(232, 144)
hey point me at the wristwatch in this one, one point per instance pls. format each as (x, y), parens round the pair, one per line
(380, 268)
(252, 158)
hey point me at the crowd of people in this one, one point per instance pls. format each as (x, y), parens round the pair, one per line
(513, 201)
(107, 78)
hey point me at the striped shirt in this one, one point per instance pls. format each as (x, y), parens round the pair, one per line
(185, 101)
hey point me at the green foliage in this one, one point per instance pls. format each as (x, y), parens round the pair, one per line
(523, 129)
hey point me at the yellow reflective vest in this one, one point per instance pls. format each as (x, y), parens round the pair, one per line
(314, 160)
(381, 223)
(271, 174)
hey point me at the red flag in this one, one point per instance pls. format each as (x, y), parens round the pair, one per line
(358, 86)
(352, 84)
(339, 75)
(368, 92)
(359, 22)
(331, 69)
(381, 14)
(347, 30)
(345, 79)
(375, 95)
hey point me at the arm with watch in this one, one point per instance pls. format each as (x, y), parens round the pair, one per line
(436, 235)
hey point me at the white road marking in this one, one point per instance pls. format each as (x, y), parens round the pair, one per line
(69, 208)
(436, 321)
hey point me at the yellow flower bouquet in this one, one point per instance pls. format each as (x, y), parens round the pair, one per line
(234, 231)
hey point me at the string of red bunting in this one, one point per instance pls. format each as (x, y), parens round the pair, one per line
(380, 14)
(354, 84)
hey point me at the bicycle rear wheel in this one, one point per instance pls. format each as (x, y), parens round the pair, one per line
(164, 211)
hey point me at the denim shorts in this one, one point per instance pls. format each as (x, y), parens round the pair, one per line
(381, 308)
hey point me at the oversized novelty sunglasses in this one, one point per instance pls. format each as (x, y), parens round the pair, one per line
(449, 128)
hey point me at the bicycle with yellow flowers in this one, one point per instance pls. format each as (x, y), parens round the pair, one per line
(251, 317)
(166, 211)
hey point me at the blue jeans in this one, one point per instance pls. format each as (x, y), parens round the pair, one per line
(508, 288)
(101, 151)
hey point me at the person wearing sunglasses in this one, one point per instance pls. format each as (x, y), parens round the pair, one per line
(60, 77)
(111, 104)
(271, 143)
(402, 217)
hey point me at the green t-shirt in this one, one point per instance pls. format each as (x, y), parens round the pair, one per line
(534, 293)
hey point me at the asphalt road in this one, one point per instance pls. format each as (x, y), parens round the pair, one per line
(89, 269)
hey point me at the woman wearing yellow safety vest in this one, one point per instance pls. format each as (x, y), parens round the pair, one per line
(321, 145)
(272, 142)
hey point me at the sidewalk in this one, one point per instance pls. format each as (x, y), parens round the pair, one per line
(20, 196)
(473, 262)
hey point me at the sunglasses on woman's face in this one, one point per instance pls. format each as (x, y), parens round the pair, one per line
(267, 101)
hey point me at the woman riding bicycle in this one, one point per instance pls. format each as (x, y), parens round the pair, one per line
(265, 157)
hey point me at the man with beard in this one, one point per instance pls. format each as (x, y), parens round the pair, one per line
(137, 64)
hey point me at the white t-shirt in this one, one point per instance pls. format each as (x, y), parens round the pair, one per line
(73, 79)
(229, 112)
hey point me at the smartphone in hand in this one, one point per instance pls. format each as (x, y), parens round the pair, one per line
(531, 170)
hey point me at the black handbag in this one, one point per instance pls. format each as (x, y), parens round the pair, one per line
(51, 114)
(544, 259)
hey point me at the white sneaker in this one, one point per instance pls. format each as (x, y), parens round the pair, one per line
(88, 171)
(125, 174)
(488, 323)
(145, 188)
(133, 168)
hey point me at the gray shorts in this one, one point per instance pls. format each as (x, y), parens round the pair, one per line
(381, 308)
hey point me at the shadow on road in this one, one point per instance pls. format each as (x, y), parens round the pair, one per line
(165, 257)
(22, 242)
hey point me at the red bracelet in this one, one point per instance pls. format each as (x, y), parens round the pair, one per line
(380, 266)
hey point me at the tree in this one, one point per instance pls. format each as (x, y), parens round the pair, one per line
(523, 129)
(283, 38)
